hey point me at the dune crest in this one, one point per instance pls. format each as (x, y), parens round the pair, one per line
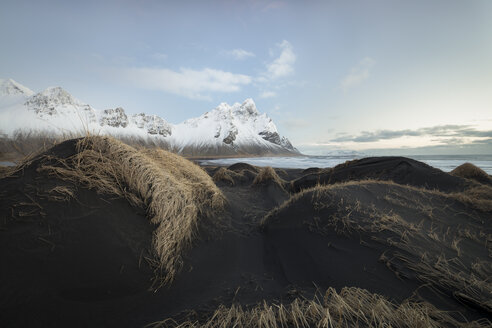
(174, 191)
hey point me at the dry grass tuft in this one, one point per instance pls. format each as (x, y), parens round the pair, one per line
(61, 193)
(352, 307)
(477, 196)
(174, 191)
(470, 171)
(268, 175)
(281, 172)
(225, 175)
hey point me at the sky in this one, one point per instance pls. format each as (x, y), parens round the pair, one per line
(409, 77)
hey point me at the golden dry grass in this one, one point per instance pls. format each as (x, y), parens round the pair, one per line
(428, 243)
(174, 191)
(268, 175)
(225, 175)
(352, 307)
(476, 196)
(470, 285)
(470, 171)
(61, 193)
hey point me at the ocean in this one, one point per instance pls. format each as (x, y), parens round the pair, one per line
(444, 162)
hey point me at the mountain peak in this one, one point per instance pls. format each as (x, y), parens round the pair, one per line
(54, 96)
(56, 100)
(58, 93)
(11, 87)
(249, 106)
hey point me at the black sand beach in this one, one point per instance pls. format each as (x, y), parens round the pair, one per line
(94, 233)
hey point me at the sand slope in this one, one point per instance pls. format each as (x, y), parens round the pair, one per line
(369, 252)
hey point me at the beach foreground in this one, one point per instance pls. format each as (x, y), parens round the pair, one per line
(94, 233)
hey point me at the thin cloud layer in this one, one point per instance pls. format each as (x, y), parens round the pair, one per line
(240, 54)
(159, 56)
(187, 82)
(267, 94)
(358, 74)
(274, 5)
(454, 132)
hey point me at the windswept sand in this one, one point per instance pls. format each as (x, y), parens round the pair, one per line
(152, 239)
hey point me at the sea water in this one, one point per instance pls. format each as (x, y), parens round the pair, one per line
(2, 163)
(444, 162)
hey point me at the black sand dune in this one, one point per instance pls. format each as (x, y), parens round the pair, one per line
(239, 167)
(470, 171)
(389, 231)
(401, 170)
(75, 252)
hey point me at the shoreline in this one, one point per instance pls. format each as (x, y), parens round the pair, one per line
(445, 163)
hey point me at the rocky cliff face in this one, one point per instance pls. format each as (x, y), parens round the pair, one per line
(114, 117)
(153, 124)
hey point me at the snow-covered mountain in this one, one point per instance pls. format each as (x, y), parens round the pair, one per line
(226, 130)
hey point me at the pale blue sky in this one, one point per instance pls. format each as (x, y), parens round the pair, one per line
(332, 74)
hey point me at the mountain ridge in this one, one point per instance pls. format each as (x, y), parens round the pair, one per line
(225, 130)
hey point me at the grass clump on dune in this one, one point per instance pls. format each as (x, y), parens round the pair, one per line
(174, 191)
(268, 175)
(225, 175)
(477, 196)
(352, 307)
(470, 171)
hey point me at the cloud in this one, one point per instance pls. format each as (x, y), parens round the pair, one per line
(186, 82)
(450, 141)
(358, 74)
(454, 132)
(276, 109)
(274, 5)
(267, 94)
(240, 54)
(487, 141)
(284, 64)
(158, 56)
(199, 84)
